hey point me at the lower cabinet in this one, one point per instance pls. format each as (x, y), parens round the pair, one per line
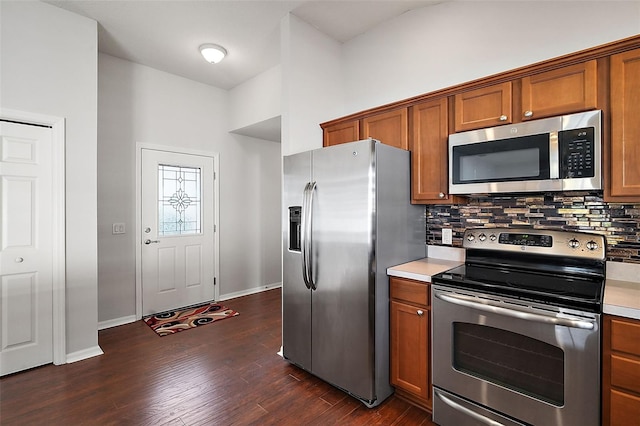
(620, 371)
(410, 332)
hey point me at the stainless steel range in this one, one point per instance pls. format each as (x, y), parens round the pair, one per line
(516, 330)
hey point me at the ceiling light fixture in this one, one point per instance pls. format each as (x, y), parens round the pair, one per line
(213, 53)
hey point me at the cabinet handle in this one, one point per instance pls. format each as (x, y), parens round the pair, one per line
(441, 195)
(503, 118)
(528, 113)
(420, 312)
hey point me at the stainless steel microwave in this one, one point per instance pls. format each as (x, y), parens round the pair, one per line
(551, 154)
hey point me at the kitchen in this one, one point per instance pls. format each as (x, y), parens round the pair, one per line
(474, 56)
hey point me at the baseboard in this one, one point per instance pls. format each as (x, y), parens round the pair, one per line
(249, 291)
(116, 322)
(84, 354)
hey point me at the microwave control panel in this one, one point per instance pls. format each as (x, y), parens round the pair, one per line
(577, 153)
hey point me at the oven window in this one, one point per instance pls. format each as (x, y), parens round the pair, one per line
(510, 360)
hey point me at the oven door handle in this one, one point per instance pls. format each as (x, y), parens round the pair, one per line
(478, 417)
(488, 306)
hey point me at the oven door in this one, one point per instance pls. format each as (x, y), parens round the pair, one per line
(529, 362)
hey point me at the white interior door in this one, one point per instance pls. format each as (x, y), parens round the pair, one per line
(177, 232)
(26, 252)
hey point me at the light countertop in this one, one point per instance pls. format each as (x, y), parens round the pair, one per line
(622, 290)
(622, 298)
(424, 269)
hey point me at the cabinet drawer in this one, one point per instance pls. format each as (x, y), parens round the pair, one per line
(410, 291)
(625, 336)
(625, 409)
(625, 373)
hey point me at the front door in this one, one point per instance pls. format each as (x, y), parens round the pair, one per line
(26, 251)
(177, 231)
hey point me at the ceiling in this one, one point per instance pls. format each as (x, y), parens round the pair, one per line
(166, 34)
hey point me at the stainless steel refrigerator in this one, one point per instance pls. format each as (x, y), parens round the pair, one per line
(347, 217)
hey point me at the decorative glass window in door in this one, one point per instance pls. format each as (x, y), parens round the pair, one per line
(179, 200)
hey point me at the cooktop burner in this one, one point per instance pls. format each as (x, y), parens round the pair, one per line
(561, 268)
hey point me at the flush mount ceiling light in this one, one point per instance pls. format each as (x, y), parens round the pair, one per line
(213, 53)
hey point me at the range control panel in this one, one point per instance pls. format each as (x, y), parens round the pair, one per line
(539, 241)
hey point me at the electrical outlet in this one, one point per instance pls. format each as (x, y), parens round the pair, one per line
(447, 236)
(118, 228)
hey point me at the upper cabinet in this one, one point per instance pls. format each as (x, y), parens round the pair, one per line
(429, 132)
(484, 107)
(338, 133)
(624, 166)
(560, 91)
(389, 127)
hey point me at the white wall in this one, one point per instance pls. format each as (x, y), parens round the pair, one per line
(311, 84)
(49, 67)
(454, 42)
(141, 104)
(257, 99)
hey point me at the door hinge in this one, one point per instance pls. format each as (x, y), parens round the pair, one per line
(214, 176)
(214, 281)
(215, 228)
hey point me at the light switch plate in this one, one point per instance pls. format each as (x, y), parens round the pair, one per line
(447, 236)
(118, 228)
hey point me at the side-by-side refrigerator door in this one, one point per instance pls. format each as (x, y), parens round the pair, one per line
(342, 314)
(296, 294)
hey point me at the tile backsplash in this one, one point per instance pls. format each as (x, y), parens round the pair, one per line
(579, 211)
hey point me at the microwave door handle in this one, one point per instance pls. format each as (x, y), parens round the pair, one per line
(465, 410)
(554, 156)
(488, 306)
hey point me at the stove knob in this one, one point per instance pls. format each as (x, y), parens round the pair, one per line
(592, 245)
(482, 237)
(573, 243)
(493, 237)
(471, 237)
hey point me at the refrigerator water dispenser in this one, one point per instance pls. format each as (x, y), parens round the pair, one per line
(294, 228)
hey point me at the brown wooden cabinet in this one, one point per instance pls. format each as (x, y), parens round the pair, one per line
(389, 127)
(410, 332)
(559, 91)
(624, 166)
(342, 132)
(620, 371)
(484, 107)
(428, 145)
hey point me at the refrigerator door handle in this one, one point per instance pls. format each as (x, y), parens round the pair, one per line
(304, 224)
(312, 189)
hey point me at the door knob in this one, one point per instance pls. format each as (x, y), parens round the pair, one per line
(420, 312)
(147, 242)
(19, 260)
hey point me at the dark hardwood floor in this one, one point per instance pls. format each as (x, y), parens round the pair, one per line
(227, 373)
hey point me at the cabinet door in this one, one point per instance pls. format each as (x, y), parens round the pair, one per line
(625, 126)
(620, 371)
(562, 91)
(390, 128)
(410, 349)
(485, 107)
(335, 134)
(429, 168)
